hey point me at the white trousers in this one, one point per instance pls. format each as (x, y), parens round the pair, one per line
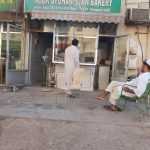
(115, 89)
(68, 81)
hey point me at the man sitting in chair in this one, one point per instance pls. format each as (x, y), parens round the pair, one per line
(135, 87)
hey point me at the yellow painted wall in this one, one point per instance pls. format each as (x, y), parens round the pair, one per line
(131, 30)
(142, 31)
(144, 36)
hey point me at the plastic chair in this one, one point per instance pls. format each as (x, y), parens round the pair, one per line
(143, 101)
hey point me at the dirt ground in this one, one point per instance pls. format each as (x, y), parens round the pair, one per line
(40, 119)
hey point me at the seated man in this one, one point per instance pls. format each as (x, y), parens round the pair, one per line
(135, 87)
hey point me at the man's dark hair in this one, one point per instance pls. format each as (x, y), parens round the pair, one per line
(145, 63)
(75, 42)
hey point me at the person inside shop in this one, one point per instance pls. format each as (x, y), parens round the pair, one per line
(135, 87)
(71, 64)
(47, 64)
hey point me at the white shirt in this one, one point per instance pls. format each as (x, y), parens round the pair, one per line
(72, 57)
(141, 83)
(71, 64)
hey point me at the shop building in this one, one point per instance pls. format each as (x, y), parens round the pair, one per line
(136, 26)
(112, 43)
(53, 24)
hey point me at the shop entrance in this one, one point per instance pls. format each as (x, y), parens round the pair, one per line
(41, 57)
(112, 61)
(105, 60)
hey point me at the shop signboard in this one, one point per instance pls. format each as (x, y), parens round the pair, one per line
(7, 5)
(108, 6)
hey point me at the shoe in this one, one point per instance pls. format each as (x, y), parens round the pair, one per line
(71, 96)
(112, 108)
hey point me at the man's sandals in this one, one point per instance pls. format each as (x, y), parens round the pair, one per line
(113, 108)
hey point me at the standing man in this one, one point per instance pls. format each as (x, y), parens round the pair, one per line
(71, 64)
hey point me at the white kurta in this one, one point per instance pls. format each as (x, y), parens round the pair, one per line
(71, 64)
(139, 83)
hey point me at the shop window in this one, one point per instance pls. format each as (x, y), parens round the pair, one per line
(13, 27)
(87, 36)
(4, 27)
(16, 47)
(62, 42)
(87, 49)
(16, 52)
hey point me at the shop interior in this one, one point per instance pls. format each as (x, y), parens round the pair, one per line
(104, 65)
(106, 49)
(41, 57)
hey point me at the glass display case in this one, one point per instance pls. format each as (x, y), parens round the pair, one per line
(87, 36)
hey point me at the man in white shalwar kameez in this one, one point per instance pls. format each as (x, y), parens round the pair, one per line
(135, 87)
(71, 64)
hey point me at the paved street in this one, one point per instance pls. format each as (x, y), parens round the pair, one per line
(41, 119)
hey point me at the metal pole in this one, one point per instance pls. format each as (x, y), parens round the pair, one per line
(7, 53)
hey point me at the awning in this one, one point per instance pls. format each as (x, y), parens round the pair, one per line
(79, 17)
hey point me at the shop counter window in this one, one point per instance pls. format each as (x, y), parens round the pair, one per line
(87, 37)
